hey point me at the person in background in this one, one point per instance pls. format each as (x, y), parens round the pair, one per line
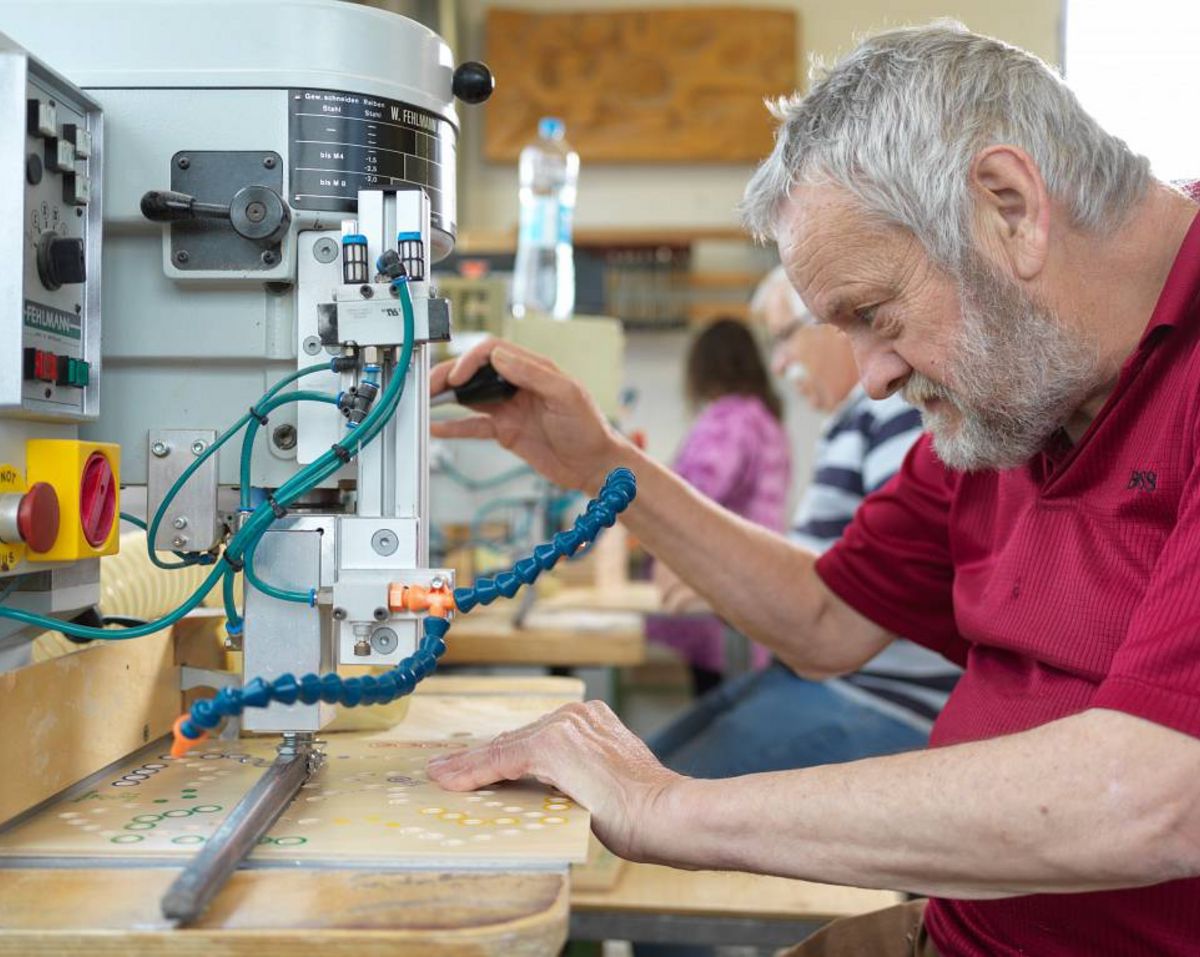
(737, 454)
(775, 720)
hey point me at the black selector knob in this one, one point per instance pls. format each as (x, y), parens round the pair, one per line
(60, 260)
(473, 82)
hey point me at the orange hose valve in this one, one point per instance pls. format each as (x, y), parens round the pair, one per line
(439, 602)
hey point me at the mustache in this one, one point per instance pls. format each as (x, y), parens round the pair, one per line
(919, 390)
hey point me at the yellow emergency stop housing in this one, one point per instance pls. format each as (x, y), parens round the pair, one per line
(63, 463)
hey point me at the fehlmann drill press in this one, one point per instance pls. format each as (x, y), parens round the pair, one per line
(279, 177)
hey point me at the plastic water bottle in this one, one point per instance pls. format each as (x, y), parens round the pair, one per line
(544, 274)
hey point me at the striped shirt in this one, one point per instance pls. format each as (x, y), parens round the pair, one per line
(861, 448)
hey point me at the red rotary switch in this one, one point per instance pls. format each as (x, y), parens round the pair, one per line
(37, 517)
(97, 500)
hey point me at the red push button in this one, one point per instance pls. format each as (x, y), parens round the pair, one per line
(37, 517)
(97, 500)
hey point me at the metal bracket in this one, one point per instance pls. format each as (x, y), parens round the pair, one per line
(191, 523)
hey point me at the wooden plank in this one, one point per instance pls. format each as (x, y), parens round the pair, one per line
(640, 597)
(649, 888)
(681, 84)
(302, 913)
(68, 717)
(566, 639)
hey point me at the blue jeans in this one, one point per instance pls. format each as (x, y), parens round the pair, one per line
(772, 720)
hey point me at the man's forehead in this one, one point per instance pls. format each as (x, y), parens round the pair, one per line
(827, 242)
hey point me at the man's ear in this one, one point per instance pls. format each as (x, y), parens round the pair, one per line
(1013, 207)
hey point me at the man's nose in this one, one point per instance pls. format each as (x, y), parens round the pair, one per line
(881, 369)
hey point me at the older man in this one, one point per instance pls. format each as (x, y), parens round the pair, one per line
(1013, 269)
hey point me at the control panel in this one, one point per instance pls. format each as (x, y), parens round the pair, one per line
(50, 307)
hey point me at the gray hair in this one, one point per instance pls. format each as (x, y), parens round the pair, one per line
(899, 121)
(778, 279)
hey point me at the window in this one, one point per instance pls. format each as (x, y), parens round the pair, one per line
(1134, 66)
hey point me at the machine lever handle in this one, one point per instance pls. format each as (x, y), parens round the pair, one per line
(167, 206)
(486, 385)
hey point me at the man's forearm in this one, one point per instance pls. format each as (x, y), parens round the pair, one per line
(1099, 800)
(753, 578)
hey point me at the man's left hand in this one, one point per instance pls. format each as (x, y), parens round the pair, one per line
(585, 752)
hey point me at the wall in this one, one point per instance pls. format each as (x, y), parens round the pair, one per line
(643, 195)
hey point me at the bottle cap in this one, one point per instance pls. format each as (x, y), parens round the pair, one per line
(551, 128)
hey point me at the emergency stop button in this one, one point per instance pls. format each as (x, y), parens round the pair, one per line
(38, 517)
(31, 517)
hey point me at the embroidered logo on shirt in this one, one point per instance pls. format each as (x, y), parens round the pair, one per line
(1143, 480)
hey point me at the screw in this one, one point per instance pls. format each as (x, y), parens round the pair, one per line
(181, 257)
(339, 614)
(199, 446)
(384, 641)
(384, 542)
(284, 437)
(179, 541)
(312, 345)
(160, 450)
(366, 292)
(325, 250)
(269, 257)
(183, 162)
(256, 212)
(381, 614)
(437, 582)
(362, 648)
(269, 162)
(180, 522)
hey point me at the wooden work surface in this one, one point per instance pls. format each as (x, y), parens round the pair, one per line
(638, 597)
(665, 890)
(551, 637)
(364, 912)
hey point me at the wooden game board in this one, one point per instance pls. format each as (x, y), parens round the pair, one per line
(371, 803)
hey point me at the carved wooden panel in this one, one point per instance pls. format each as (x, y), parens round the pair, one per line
(669, 85)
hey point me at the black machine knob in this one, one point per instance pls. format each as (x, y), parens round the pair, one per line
(60, 260)
(473, 82)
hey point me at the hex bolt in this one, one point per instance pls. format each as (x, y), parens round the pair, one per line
(179, 541)
(199, 446)
(339, 614)
(312, 345)
(160, 450)
(381, 614)
(284, 437)
(180, 522)
(183, 162)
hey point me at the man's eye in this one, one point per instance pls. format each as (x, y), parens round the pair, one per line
(866, 314)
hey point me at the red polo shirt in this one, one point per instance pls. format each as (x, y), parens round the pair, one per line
(1070, 583)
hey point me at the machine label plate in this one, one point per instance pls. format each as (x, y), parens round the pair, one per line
(344, 142)
(56, 322)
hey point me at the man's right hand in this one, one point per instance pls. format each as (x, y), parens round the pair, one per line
(552, 422)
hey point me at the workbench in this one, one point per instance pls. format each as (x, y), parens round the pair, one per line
(562, 636)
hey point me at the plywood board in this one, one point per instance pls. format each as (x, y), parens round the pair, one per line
(681, 84)
(372, 802)
(68, 717)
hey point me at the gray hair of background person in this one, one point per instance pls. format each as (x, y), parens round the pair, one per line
(899, 120)
(778, 279)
